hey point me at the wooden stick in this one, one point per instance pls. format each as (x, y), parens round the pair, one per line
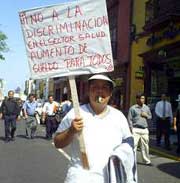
(75, 100)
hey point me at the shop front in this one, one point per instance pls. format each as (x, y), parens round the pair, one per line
(162, 73)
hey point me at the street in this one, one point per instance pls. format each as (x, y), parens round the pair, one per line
(30, 160)
(38, 161)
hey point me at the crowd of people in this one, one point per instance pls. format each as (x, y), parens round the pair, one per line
(50, 113)
(111, 140)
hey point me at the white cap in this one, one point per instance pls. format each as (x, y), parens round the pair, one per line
(101, 77)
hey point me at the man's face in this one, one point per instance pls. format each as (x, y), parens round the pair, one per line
(11, 94)
(141, 100)
(99, 89)
(31, 98)
(51, 99)
(163, 97)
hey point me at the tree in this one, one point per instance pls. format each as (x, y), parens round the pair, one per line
(3, 45)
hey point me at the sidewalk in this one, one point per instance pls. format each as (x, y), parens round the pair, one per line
(162, 151)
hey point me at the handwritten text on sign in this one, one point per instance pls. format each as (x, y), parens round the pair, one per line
(67, 39)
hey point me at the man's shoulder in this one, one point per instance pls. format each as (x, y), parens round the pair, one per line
(46, 103)
(134, 106)
(55, 102)
(146, 106)
(6, 101)
(115, 112)
(27, 102)
(159, 102)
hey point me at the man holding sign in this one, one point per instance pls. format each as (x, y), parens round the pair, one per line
(73, 39)
(106, 134)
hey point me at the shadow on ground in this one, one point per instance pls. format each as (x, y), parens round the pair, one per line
(170, 168)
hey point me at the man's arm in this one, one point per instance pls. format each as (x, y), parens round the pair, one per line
(64, 138)
(44, 112)
(24, 110)
(157, 109)
(147, 114)
(1, 109)
(170, 112)
(130, 119)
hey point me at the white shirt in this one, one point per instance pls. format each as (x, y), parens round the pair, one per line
(49, 108)
(102, 133)
(168, 109)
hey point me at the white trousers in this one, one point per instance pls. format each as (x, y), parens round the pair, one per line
(141, 139)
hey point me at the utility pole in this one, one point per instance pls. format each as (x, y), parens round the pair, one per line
(46, 88)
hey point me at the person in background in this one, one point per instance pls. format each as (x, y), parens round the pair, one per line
(177, 125)
(66, 104)
(29, 111)
(20, 104)
(50, 109)
(138, 117)
(163, 111)
(9, 110)
(106, 134)
(112, 103)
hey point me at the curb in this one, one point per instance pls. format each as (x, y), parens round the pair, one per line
(164, 154)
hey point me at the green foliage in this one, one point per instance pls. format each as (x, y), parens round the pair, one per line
(3, 45)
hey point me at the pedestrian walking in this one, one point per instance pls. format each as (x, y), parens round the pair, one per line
(29, 111)
(163, 111)
(106, 134)
(9, 110)
(50, 109)
(138, 117)
(66, 105)
(177, 125)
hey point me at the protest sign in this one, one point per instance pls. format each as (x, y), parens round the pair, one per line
(67, 39)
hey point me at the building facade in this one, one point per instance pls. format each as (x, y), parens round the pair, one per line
(162, 60)
(119, 13)
(156, 48)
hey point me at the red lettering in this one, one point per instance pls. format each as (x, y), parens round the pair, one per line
(55, 15)
(35, 18)
(49, 53)
(45, 67)
(74, 62)
(78, 11)
(99, 59)
(29, 33)
(23, 18)
(95, 35)
(82, 48)
(75, 13)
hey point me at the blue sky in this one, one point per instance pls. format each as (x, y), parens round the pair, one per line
(14, 70)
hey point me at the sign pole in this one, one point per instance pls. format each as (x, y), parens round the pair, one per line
(75, 100)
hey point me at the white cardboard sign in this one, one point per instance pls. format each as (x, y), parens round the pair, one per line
(67, 39)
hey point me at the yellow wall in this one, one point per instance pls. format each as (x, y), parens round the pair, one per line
(137, 47)
(137, 84)
(139, 14)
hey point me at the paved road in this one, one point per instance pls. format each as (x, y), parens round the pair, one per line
(30, 161)
(37, 161)
(164, 170)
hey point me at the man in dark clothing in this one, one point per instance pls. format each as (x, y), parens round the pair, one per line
(177, 125)
(164, 121)
(9, 110)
